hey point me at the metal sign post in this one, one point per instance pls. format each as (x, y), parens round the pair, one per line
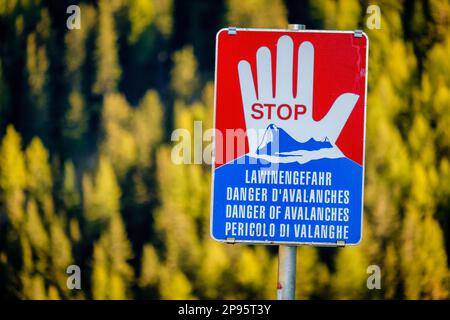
(287, 255)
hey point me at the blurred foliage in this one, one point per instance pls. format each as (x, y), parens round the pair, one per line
(86, 175)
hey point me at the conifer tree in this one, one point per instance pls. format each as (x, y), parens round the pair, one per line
(31, 281)
(35, 229)
(12, 176)
(112, 275)
(211, 275)
(108, 68)
(147, 126)
(37, 48)
(163, 16)
(150, 269)
(184, 78)
(391, 272)
(341, 14)
(61, 253)
(349, 281)
(312, 274)
(75, 123)
(39, 179)
(100, 288)
(257, 14)
(174, 285)
(424, 269)
(118, 143)
(141, 14)
(70, 194)
(101, 199)
(175, 228)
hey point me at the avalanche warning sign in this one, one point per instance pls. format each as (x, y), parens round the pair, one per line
(290, 134)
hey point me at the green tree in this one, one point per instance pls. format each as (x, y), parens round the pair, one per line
(147, 129)
(141, 14)
(391, 272)
(118, 144)
(100, 285)
(37, 71)
(108, 68)
(61, 254)
(39, 181)
(312, 274)
(163, 16)
(32, 283)
(349, 281)
(150, 269)
(35, 229)
(75, 122)
(256, 274)
(184, 78)
(69, 193)
(112, 275)
(257, 14)
(175, 285)
(211, 275)
(424, 269)
(12, 176)
(340, 14)
(174, 226)
(101, 199)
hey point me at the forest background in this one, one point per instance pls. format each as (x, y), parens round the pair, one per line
(86, 176)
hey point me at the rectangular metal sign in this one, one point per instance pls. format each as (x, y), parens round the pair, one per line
(289, 136)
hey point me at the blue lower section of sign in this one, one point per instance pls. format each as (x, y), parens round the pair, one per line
(316, 202)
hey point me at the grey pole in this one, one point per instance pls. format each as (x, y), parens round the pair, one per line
(287, 261)
(287, 255)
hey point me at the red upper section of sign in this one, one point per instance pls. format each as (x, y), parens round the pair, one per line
(339, 67)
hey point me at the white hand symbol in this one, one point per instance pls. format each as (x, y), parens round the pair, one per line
(304, 127)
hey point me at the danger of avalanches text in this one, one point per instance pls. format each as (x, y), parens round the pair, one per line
(317, 201)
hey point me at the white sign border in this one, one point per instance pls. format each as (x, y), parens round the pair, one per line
(268, 242)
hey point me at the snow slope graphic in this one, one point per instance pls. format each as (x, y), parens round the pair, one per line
(277, 146)
(276, 140)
